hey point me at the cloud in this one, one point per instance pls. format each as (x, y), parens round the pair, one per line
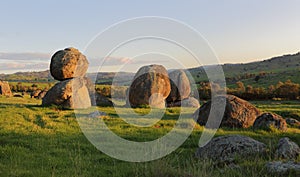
(25, 56)
(21, 65)
(109, 61)
(14, 62)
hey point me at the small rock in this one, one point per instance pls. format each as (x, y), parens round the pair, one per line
(292, 122)
(42, 94)
(35, 93)
(287, 149)
(5, 89)
(224, 149)
(96, 114)
(283, 168)
(269, 120)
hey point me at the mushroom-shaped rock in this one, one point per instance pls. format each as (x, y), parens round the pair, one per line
(238, 112)
(68, 63)
(180, 86)
(151, 86)
(69, 94)
(270, 120)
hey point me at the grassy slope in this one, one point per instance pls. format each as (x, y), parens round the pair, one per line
(279, 68)
(37, 141)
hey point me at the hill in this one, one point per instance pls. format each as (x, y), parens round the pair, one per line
(258, 74)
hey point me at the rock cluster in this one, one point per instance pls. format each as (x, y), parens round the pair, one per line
(5, 89)
(151, 86)
(68, 66)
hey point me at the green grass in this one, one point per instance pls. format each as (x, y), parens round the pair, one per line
(38, 141)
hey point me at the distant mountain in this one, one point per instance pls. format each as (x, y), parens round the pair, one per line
(259, 73)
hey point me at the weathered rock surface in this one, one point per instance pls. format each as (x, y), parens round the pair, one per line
(69, 94)
(187, 102)
(5, 89)
(68, 63)
(287, 149)
(225, 149)
(283, 168)
(180, 86)
(238, 112)
(151, 86)
(268, 121)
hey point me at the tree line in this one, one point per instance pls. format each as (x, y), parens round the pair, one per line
(282, 90)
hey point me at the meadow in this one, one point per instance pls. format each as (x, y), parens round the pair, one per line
(47, 141)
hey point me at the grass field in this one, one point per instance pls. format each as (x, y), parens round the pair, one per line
(38, 141)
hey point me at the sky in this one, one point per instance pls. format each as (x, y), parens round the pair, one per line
(238, 31)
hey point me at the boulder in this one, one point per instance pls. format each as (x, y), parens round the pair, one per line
(287, 149)
(268, 121)
(68, 63)
(151, 86)
(283, 168)
(238, 112)
(187, 102)
(5, 89)
(69, 94)
(225, 149)
(180, 86)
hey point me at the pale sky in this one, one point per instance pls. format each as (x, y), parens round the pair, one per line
(239, 31)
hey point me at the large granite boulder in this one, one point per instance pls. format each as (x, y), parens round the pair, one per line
(180, 86)
(5, 89)
(287, 149)
(68, 63)
(225, 149)
(69, 94)
(268, 121)
(238, 112)
(151, 86)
